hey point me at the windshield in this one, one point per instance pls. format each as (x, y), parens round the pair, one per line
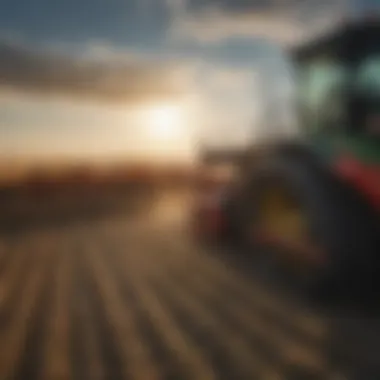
(335, 94)
(367, 88)
(321, 88)
(368, 76)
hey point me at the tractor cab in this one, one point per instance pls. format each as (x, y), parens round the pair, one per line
(339, 81)
(339, 103)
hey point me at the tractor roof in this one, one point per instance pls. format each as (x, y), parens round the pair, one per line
(345, 35)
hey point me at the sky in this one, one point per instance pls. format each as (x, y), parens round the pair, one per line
(132, 79)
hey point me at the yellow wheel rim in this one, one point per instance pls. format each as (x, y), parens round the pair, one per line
(283, 222)
(281, 217)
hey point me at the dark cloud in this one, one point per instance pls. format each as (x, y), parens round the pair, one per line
(230, 5)
(308, 7)
(253, 5)
(280, 21)
(121, 80)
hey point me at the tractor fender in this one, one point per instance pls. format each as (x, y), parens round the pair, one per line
(296, 151)
(299, 151)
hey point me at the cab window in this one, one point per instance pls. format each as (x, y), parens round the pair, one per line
(367, 90)
(321, 93)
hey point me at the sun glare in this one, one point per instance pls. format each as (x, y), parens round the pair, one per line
(166, 130)
(165, 121)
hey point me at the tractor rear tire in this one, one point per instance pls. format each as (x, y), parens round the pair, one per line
(339, 220)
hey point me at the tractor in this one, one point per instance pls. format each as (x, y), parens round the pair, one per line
(309, 206)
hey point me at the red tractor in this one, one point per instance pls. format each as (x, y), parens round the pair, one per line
(310, 206)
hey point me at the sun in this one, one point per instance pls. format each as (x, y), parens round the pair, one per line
(166, 130)
(164, 121)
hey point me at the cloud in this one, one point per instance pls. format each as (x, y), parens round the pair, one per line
(280, 21)
(215, 25)
(94, 75)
